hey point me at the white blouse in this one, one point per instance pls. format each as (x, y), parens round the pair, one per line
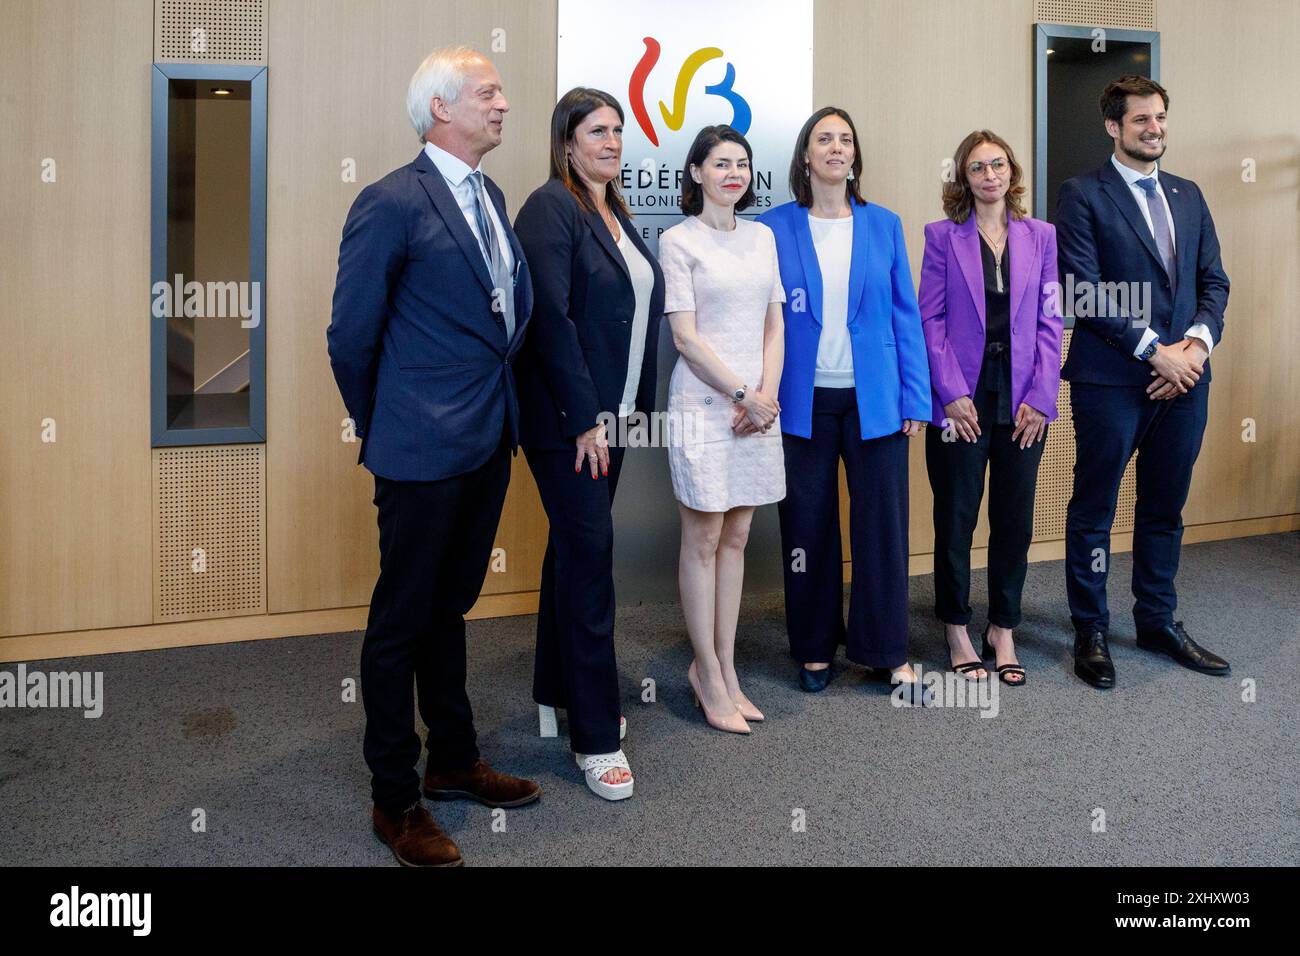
(643, 282)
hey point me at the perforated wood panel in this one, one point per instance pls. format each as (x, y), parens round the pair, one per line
(1056, 473)
(209, 532)
(1130, 14)
(210, 31)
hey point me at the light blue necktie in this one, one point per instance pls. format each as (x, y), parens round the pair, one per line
(496, 260)
(1160, 227)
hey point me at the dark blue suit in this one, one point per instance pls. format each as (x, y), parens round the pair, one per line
(422, 362)
(419, 354)
(1103, 238)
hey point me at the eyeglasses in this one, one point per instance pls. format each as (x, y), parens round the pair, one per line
(998, 165)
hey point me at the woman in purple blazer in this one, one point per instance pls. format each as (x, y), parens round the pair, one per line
(993, 332)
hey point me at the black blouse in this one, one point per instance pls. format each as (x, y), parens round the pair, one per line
(993, 392)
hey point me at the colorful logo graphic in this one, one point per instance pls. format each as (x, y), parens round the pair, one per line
(673, 119)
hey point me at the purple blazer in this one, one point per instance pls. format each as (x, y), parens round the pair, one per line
(952, 313)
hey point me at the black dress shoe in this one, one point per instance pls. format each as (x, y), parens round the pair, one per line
(1092, 658)
(1173, 640)
(814, 681)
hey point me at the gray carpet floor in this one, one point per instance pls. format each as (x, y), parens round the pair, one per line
(257, 736)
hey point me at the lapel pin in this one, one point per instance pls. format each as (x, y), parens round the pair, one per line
(1175, 189)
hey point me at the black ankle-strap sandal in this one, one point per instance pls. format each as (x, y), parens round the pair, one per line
(1012, 669)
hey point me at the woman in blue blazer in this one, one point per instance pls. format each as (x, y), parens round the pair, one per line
(856, 386)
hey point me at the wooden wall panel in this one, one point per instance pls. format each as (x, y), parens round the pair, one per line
(1244, 107)
(74, 269)
(209, 537)
(339, 72)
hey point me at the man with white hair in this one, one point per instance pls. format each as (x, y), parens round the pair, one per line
(430, 306)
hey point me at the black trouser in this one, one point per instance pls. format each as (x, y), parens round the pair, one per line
(435, 540)
(957, 470)
(1110, 424)
(812, 558)
(575, 667)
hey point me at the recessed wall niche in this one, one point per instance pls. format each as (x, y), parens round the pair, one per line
(207, 296)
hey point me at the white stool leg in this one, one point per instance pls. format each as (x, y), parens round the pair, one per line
(546, 722)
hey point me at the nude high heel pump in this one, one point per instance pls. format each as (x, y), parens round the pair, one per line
(749, 711)
(733, 723)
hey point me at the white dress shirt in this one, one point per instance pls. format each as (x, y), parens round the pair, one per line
(456, 173)
(1131, 176)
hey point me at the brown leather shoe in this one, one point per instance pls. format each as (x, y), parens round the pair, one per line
(480, 782)
(415, 839)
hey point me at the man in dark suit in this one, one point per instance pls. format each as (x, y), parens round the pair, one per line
(1139, 247)
(432, 299)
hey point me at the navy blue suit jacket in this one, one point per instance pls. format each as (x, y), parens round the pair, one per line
(1102, 238)
(419, 354)
(574, 364)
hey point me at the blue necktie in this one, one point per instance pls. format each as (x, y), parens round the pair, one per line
(496, 261)
(1160, 227)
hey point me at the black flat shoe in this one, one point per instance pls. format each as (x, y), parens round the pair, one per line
(814, 681)
(1014, 669)
(1173, 640)
(1092, 659)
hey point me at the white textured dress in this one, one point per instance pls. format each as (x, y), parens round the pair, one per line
(727, 279)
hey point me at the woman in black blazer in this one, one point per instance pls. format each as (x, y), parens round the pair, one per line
(588, 360)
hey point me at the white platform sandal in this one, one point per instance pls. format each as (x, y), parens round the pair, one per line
(595, 766)
(548, 724)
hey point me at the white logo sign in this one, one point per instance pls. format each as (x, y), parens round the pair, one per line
(675, 71)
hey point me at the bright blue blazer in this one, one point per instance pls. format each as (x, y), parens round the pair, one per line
(890, 366)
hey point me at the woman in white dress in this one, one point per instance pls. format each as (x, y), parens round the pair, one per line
(722, 296)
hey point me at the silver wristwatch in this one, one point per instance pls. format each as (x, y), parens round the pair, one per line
(739, 394)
